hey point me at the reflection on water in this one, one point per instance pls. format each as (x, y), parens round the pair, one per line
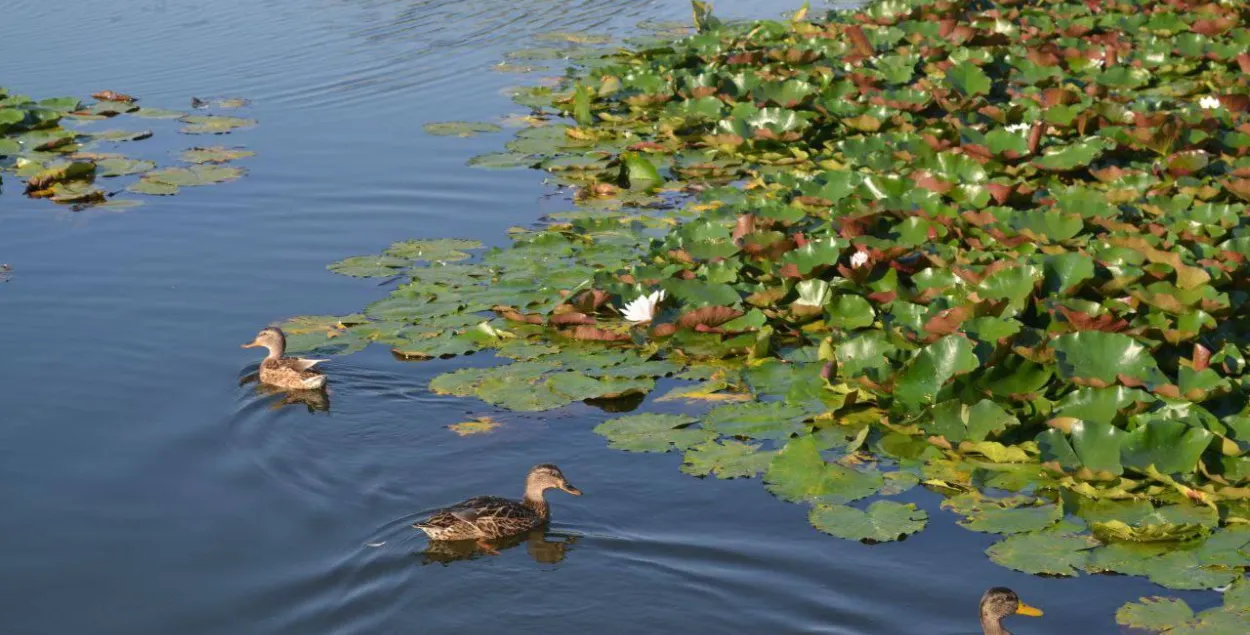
(317, 400)
(543, 547)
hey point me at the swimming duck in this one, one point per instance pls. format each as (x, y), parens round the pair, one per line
(293, 373)
(998, 603)
(490, 517)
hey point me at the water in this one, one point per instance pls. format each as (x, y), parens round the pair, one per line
(146, 491)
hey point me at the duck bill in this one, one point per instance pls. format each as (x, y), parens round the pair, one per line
(1031, 611)
(570, 489)
(252, 344)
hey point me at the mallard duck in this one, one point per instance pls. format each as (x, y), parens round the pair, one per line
(491, 517)
(293, 373)
(998, 603)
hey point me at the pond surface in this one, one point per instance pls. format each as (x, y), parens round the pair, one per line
(147, 492)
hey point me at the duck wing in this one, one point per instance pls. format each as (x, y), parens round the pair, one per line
(301, 364)
(489, 516)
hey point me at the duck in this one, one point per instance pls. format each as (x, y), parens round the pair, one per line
(998, 603)
(289, 373)
(492, 517)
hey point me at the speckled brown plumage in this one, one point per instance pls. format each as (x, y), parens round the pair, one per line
(490, 517)
(292, 373)
(483, 517)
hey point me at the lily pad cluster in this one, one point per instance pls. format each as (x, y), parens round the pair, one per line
(1171, 615)
(997, 249)
(53, 145)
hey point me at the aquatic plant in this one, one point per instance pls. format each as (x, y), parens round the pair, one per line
(45, 143)
(997, 249)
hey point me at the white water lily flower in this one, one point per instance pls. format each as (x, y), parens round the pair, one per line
(859, 259)
(642, 308)
(1017, 128)
(1209, 102)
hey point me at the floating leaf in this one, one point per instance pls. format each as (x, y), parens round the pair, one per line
(194, 175)
(883, 521)
(1012, 520)
(798, 473)
(772, 420)
(653, 433)
(502, 160)
(213, 124)
(122, 167)
(460, 128)
(969, 79)
(215, 154)
(439, 249)
(1105, 358)
(932, 367)
(726, 459)
(1049, 554)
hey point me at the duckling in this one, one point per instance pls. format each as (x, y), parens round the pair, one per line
(491, 517)
(998, 603)
(293, 373)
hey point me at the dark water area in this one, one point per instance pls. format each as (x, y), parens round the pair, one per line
(147, 491)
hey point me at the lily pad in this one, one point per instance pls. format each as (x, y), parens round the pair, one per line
(771, 420)
(213, 124)
(882, 521)
(460, 128)
(726, 458)
(798, 473)
(215, 154)
(502, 160)
(122, 167)
(194, 175)
(652, 433)
(1049, 554)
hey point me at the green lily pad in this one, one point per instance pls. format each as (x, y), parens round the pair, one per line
(122, 167)
(502, 160)
(145, 112)
(798, 473)
(460, 128)
(1049, 554)
(213, 124)
(726, 458)
(968, 79)
(194, 175)
(772, 420)
(653, 433)
(1154, 614)
(1095, 356)
(926, 373)
(1012, 520)
(440, 249)
(369, 266)
(215, 154)
(882, 521)
(153, 188)
(958, 422)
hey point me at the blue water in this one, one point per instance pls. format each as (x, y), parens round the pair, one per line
(145, 491)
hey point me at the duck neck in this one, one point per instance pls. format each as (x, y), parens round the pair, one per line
(275, 351)
(993, 626)
(534, 500)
